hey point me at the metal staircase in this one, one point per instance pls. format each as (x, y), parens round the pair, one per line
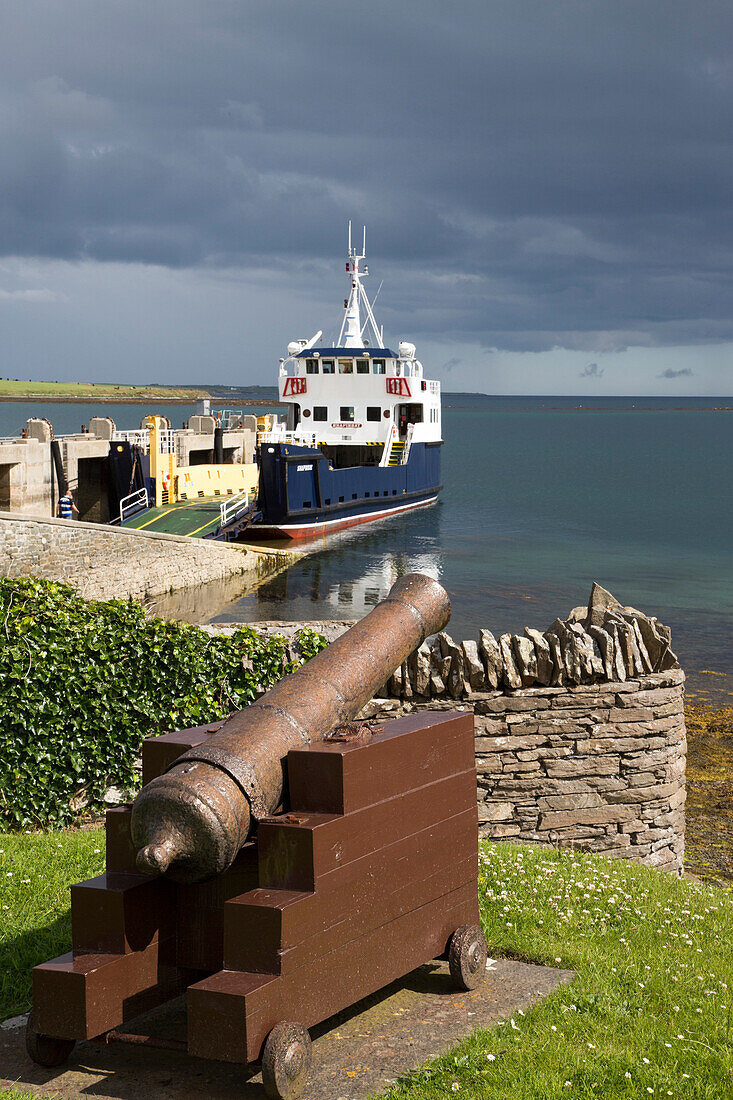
(396, 453)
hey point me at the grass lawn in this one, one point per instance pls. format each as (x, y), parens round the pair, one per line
(16, 1093)
(36, 871)
(21, 388)
(649, 1012)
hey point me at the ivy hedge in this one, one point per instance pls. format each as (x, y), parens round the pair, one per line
(82, 682)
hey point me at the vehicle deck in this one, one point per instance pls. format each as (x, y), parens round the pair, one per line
(194, 518)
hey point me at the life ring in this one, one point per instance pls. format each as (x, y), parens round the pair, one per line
(166, 482)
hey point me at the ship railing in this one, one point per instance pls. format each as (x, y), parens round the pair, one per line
(134, 503)
(391, 437)
(235, 506)
(408, 368)
(301, 439)
(140, 437)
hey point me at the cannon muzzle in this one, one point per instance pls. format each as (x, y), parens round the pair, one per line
(191, 822)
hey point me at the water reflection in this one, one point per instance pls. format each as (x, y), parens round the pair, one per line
(200, 604)
(330, 586)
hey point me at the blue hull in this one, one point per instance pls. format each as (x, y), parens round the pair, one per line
(299, 495)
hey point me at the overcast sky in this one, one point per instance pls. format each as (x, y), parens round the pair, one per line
(547, 187)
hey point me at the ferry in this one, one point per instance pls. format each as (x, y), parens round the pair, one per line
(362, 435)
(361, 441)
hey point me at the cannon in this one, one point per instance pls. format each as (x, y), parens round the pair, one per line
(280, 865)
(191, 822)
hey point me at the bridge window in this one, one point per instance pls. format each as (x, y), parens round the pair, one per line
(311, 366)
(347, 412)
(378, 366)
(362, 366)
(346, 366)
(374, 412)
(320, 412)
(327, 366)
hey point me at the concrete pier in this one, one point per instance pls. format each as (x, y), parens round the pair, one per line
(27, 483)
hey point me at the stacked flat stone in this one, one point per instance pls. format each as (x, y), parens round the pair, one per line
(601, 642)
(117, 563)
(598, 767)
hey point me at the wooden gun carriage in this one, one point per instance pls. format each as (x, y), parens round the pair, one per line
(370, 872)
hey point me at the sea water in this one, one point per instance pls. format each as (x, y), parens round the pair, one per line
(68, 417)
(541, 497)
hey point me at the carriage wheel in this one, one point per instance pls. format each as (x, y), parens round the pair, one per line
(45, 1049)
(467, 956)
(286, 1061)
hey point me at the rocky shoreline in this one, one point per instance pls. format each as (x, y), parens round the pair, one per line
(709, 809)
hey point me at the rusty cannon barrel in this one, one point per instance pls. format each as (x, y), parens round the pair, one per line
(192, 821)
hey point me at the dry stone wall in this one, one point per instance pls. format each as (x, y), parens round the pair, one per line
(580, 729)
(598, 767)
(603, 641)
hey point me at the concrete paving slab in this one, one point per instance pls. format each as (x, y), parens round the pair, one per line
(356, 1053)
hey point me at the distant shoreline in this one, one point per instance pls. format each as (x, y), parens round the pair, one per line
(603, 408)
(93, 398)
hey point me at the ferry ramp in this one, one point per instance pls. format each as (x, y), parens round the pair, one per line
(194, 518)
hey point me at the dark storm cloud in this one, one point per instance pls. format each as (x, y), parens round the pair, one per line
(555, 174)
(684, 372)
(592, 370)
(451, 364)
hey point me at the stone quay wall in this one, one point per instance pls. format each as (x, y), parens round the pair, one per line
(107, 563)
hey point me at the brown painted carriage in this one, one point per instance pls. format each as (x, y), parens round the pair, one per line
(370, 873)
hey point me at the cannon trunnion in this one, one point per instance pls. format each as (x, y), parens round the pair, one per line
(371, 872)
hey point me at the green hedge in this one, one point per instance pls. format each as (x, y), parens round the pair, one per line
(83, 682)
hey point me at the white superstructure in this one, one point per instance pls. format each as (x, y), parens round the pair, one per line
(357, 392)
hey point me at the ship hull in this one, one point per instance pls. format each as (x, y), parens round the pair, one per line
(301, 497)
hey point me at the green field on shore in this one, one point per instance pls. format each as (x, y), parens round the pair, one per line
(100, 391)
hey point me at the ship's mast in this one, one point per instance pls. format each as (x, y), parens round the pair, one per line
(352, 330)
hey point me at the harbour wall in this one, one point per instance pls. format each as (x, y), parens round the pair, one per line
(118, 563)
(596, 765)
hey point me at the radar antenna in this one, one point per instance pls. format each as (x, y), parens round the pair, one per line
(352, 331)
